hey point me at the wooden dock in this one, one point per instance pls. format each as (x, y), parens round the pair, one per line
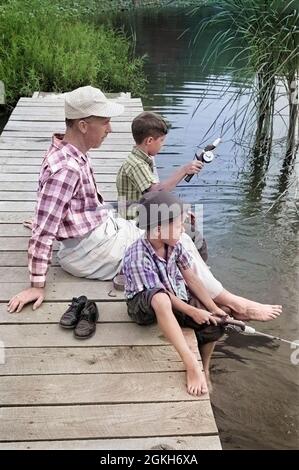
(122, 389)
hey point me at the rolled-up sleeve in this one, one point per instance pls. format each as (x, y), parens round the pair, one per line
(52, 204)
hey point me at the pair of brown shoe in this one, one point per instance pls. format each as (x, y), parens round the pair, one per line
(82, 316)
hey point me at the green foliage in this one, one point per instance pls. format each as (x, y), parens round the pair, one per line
(48, 46)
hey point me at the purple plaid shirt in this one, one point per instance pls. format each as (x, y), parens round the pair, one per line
(67, 205)
(144, 269)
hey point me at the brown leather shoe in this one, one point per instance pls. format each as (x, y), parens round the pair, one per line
(87, 323)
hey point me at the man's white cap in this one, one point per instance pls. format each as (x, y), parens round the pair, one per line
(89, 101)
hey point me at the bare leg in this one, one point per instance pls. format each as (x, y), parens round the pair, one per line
(206, 351)
(245, 309)
(196, 382)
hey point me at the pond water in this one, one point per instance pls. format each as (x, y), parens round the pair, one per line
(253, 247)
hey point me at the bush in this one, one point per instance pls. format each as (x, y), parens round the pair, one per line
(48, 47)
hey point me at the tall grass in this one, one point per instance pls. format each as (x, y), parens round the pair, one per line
(266, 33)
(46, 46)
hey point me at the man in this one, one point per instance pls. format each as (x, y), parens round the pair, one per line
(70, 209)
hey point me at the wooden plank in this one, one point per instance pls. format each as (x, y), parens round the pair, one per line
(31, 161)
(94, 289)
(14, 230)
(57, 115)
(32, 186)
(34, 177)
(36, 135)
(50, 312)
(84, 389)
(49, 335)
(19, 243)
(90, 360)
(149, 443)
(56, 126)
(38, 154)
(31, 196)
(20, 258)
(35, 169)
(102, 421)
(59, 101)
(118, 145)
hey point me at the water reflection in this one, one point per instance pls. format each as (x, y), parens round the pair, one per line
(251, 223)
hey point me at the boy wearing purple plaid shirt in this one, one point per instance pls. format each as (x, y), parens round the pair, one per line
(159, 281)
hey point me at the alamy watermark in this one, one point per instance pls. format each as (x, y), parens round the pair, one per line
(294, 357)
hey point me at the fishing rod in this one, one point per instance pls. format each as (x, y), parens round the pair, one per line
(206, 155)
(230, 324)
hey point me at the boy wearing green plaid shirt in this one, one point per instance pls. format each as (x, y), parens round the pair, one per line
(136, 175)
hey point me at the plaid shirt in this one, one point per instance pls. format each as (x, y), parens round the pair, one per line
(135, 176)
(67, 205)
(144, 269)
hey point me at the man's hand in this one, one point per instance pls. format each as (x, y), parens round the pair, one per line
(193, 168)
(202, 316)
(31, 294)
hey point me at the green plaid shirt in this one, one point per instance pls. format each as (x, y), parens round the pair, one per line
(135, 176)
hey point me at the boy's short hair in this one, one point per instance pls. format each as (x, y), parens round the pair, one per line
(148, 124)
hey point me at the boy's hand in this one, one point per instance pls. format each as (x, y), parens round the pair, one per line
(201, 316)
(219, 315)
(193, 168)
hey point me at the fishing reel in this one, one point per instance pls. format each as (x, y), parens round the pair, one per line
(206, 155)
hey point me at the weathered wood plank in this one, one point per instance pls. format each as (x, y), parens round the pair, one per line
(34, 177)
(118, 127)
(50, 312)
(98, 421)
(38, 154)
(90, 389)
(148, 443)
(31, 196)
(19, 243)
(32, 186)
(19, 258)
(96, 290)
(43, 144)
(31, 161)
(99, 169)
(49, 335)
(54, 99)
(14, 230)
(90, 360)
(33, 114)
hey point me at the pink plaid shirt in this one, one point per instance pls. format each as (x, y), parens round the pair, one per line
(68, 205)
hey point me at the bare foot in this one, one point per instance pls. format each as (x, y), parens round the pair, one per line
(196, 381)
(249, 310)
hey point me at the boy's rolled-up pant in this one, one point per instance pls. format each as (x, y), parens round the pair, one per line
(142, 313)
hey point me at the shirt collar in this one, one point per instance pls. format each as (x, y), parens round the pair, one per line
(152, 252)
(143, 156)
(59, 143)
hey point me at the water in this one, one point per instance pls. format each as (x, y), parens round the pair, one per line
(253, 246)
